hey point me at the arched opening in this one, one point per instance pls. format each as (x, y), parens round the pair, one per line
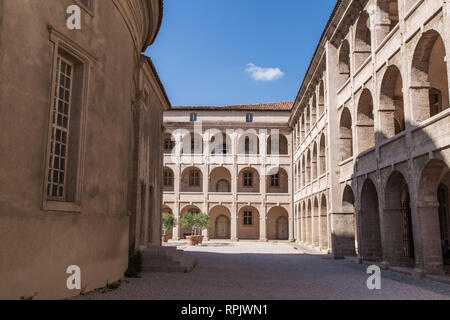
(296, 181)
(370, 237)
(191, 180)
(220, 144)
(168, 143)
(316, 223)
(307, 119)
(429, 77)
(344, 62)
(277, 145)
(363, 40)
(345, 135)
(391, 109)
(220, 180)
(168, 180)
(248, 223)
(166, 209)
(304, 223)
(277, 181)
(365, 122)
(302, 128)
(314, 162)
(309, 225)
(321, 100)
(323, 222)
(348, 206)
(248, 181)
(322, 155)
(434, 217)
(192, 143)
(248, 144)
(277, 224)
(220, 218)
(387, 18)
(313, 105)
(397, 222)
(308, 166)
(184, 232)
(303, 162)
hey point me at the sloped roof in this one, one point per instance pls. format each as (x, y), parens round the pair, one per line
(273, 106)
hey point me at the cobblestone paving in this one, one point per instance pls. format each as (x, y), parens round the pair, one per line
(258, 271)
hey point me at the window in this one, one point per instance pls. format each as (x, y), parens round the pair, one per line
(168, 144)
(249, 118)
(168, 178)
(248, 218)
(59, 139)
(193, 117)
(248, 179)
(275, 180)
(194, 178)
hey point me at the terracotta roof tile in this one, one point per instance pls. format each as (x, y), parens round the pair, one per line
(274, 106)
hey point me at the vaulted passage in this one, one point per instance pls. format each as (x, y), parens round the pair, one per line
(398, 228)
(370, 238)
(429, 77)
(391, 111)
(220, 223)
(348, 207)
(345, 135)
(365, 122)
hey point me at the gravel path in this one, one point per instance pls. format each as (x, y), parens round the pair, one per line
(271, 271)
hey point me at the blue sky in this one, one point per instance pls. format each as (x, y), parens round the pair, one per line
(225, 52)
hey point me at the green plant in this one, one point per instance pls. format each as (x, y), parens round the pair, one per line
(187, 221)
(168, 222)
(202, 222)
(134, 266)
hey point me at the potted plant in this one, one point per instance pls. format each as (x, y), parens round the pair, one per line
(168, 222)
(201, 222)
(188, 221)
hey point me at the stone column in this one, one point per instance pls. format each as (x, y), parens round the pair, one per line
(263, 223)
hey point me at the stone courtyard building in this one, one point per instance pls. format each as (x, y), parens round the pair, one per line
(372, 135)
(80, 131)
(233, 163)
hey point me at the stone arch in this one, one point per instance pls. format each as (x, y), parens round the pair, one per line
(308, 166)
(281, 149)
(345, 135)
(302, 128)
(433, 214)
(191, 180)
(248, 143)
(192, 143)
(183, 232)
(349, 207)
(323, 218)
(313, 106)
(322, 163)
(314, 163)
(304, 222)
(309, 220)
(220, 180)
(220, 144)
(277, 224)
(303, 168)
(370, 237)
(168, 180)
(344, 62)
(307, 119)
(315, 222)
(363, 39)
(321, 99)
(220, 223)
(388, 18)
(247, 175)
(391, 111)
(429, 77)
(168, 143)
(397, 222)
(248, 231)
(277, 181)
(365, 129)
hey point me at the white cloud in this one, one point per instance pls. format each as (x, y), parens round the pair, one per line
(264, 74)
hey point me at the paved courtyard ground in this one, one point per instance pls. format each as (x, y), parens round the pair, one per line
(273, 271)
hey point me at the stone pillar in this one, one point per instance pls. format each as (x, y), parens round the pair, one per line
(234, 224)
(263, 223)
(343, 240)
(176, 214)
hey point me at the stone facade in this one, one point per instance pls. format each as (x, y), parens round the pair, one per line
(372, 134)
(219, 162)
(80, 123)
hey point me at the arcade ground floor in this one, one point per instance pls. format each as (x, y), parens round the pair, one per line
(271, 271)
